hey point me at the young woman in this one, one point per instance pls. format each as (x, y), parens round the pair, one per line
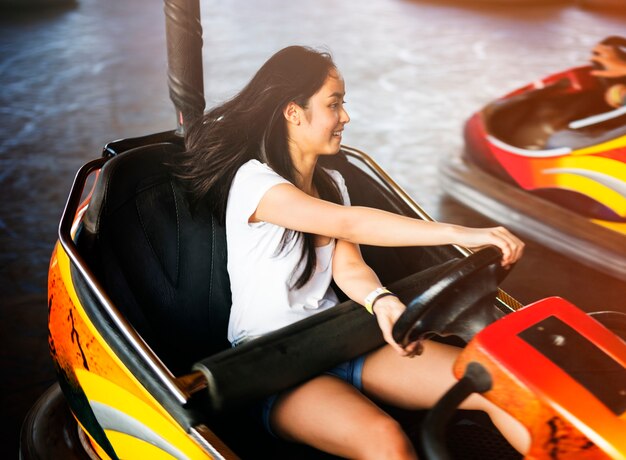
(290, 231)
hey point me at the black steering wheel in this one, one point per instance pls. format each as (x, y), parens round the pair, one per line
(619, 45)
(460, 301)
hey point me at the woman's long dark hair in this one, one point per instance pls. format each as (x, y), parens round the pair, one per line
(251, 125)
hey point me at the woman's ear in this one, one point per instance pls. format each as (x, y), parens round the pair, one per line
(292, 113)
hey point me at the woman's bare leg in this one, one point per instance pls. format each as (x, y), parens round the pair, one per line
(331, 415)
(419, 382)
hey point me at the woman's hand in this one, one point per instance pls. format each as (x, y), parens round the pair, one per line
(475, 238)
(607, 57)
(388, 309)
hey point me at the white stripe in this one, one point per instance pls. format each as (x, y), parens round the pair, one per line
(113, 419)
(611, 182)
(593, 119)
(560, 151)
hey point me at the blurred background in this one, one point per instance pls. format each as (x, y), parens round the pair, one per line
(78, 76)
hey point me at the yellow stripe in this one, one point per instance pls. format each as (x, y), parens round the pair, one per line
(613, 144)
(101, 390)
(128, 447)
(618, 227)
(601, 193)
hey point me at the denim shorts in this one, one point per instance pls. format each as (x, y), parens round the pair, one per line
(349, 371)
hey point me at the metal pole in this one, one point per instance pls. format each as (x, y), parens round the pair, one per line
(183, 31)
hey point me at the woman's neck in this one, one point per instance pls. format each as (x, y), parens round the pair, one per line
(305, 167)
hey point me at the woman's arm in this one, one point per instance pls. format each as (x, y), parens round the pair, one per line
(356, 279)
(287, 206)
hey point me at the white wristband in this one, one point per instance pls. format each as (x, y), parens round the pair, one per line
(373, 296)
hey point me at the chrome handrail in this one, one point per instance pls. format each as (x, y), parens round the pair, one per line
(503, 298)
(383, 176)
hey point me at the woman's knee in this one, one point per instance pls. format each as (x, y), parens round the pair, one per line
(387, 439)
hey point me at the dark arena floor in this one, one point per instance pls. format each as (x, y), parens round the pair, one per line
(75, 78)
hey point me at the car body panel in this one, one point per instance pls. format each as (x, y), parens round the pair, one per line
(93, 374)
(566, 418)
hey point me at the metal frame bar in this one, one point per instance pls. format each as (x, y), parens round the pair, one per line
(505, 300)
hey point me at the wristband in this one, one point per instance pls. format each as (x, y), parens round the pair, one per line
(616, 95)
(373, 296)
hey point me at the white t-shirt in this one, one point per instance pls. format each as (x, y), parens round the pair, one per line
(262, 300)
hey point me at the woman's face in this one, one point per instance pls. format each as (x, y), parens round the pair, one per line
(324, 118)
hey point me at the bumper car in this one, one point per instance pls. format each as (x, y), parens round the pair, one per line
(139, 300)
(549, 161)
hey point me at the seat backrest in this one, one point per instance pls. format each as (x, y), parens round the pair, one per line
(164, 268)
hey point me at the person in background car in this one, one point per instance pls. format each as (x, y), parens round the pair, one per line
(613, 66)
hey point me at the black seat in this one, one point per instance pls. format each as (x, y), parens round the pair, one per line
(162, 267)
